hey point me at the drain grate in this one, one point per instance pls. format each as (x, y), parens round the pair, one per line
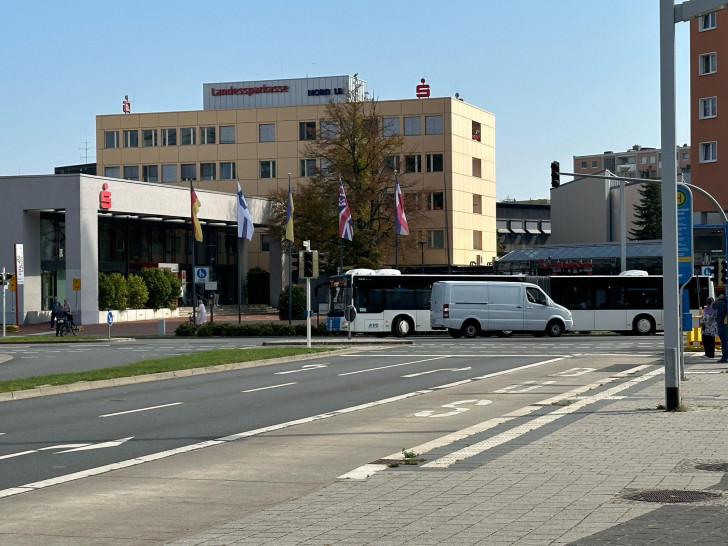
(670, 496)
(713, 467)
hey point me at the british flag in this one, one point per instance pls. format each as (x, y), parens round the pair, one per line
(400, 220)
(346, 223)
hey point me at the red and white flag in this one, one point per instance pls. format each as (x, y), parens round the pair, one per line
(400, 220)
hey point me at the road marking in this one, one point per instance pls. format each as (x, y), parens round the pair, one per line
(140, 409)
(456, 408)
(49, 448)
(392, 366)
(102, 445)
(17, 454)
(271, 387)
(532, 385)
(304, 368)
(440, 370)
(573, 372)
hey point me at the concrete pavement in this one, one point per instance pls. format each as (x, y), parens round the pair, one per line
(559, 472)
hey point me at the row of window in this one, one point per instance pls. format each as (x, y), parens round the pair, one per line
(225, 134)
(708, 106)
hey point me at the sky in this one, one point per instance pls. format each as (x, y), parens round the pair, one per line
(563, 78)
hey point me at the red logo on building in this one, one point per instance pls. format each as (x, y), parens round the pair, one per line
(105, 197)
(423, 90)
(126, 105)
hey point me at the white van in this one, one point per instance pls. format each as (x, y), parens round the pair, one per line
(480, 307)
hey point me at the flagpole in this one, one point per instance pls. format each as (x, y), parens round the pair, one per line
(194, 279)
(240, 291)
(290, 265)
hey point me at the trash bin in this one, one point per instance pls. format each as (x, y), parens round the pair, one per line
(161, 327)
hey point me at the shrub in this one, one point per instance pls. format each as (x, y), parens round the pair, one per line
(158, 285)
(184, 329)
(298, 299)
(137, 292)
(107, 293)
(175, 286)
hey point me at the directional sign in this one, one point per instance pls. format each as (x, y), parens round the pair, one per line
(110, 318)
(202, 274)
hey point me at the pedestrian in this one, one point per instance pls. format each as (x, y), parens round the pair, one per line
(201, 313)
(55, 305)
(60, 318)
(215, 298)
(721, 313)
(709, 328)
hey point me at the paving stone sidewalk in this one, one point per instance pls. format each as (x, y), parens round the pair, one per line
(562, 486)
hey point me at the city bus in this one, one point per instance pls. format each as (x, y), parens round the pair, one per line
(383, 302)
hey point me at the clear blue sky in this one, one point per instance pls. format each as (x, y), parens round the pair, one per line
(563, 77)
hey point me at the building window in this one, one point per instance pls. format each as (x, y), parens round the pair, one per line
(266, 132)
(111, 172)
(308, 167)
(707, 21)
(131, 139)
(594, 164)
(413, 163)
(390, 127)
(583, 164)
(149, 137)
(477, 240)
(708, 63)
(265, 243)
(207, 171)
(188, 171)
(434, 163)
(111, 139)
(207, 135)
(227, 170)
(150, 173)
(131, 172)
(476, 131)
(708, 152)
(476, 168)
(392, 163)
(708, 107)
(643, 160)
(652, 159)
(329, 129)
(412, 126)
(436, 239)
(169, 173)
(307, 130)
(685, 156)
(477, 204)
(326, 167)
(227, 134)
(433, 125)
(268, 169)
(435, 201)
(169, 137)
(188, 136)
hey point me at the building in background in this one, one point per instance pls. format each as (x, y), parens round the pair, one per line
(637, 162)
(522, 224)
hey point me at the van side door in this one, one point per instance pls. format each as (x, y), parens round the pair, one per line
(505, 307)
(537, 311)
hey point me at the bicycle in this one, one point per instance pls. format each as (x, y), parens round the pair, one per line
(67, 327)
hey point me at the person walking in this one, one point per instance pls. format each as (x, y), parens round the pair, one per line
(709, 328)
(201, 313)
(55, 306)
(721, 312)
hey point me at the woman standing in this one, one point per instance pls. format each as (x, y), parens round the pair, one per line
(710, 328)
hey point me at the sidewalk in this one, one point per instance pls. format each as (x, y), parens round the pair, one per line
(538, 481)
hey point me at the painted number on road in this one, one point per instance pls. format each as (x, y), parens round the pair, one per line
(456, 407)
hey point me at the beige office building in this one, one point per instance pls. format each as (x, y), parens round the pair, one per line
(256, 132)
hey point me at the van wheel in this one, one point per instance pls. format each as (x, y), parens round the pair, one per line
(471, 329)
(454, 332)
(554, 328)
(504, 333)
(402, 327)
(643, 325)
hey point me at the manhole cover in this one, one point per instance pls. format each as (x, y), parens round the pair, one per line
(672, 496)
(713, 467)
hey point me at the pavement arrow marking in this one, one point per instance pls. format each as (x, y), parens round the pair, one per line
(305, 368)
(70, 447)
(440, 370)
(102, 445)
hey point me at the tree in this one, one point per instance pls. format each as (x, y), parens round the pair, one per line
(137, 292)
(648, 214)
(351, 145)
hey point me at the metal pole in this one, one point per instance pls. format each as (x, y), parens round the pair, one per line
(669, 204)
(308, 312)
(622, 228)
(5, 288)
(290, 288)
(240, 290)
(194, 279)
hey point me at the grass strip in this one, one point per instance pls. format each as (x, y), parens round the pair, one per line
(172, 363)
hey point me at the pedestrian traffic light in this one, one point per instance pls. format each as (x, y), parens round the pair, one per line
(555, 174)
(723, 272)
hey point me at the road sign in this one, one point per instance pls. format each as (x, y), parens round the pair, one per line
(211, 285)
(202, 274)
(110, 318)
(77, 284)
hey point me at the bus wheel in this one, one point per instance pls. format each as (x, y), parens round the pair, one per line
(471, 329)
(554, 328)
(454, 332)
(402, 327)
(643, 325)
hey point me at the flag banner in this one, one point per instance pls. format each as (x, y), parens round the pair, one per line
(400, 220)
(245, 222)
(196, 227)
(289, 215)
(346, 223)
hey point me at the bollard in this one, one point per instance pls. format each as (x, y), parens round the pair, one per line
(161, 327)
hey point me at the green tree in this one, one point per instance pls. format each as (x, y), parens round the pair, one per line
(298, 303)
(107, 292)
(648, 214)
(137, 292)
(158, 284)
(351, 145)
(120, 291)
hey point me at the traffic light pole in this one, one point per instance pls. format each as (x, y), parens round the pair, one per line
(5, 287)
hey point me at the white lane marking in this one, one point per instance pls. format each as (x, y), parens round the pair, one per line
(573, 372)
(440, 370)
(536, 423)
(531, 385)
(392, 366)
(17, 454)
(102, 445)
(304, 368)
(271, 387)
(140, 409)
(359, 474)
(456, 408)
(61, 446)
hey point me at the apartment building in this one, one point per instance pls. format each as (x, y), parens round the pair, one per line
(637, 162)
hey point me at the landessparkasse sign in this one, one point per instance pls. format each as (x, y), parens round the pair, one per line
(267, 93)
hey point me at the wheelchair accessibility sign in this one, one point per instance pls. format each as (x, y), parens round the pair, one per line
(202, 275)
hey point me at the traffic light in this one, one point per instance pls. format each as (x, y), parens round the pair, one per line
(310, 264)
(723, 272)
(716, 274)
(321, 263)
(555, 175)
(6, 279)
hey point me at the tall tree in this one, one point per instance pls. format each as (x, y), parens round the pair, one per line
(351, 144)
(648, 214)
